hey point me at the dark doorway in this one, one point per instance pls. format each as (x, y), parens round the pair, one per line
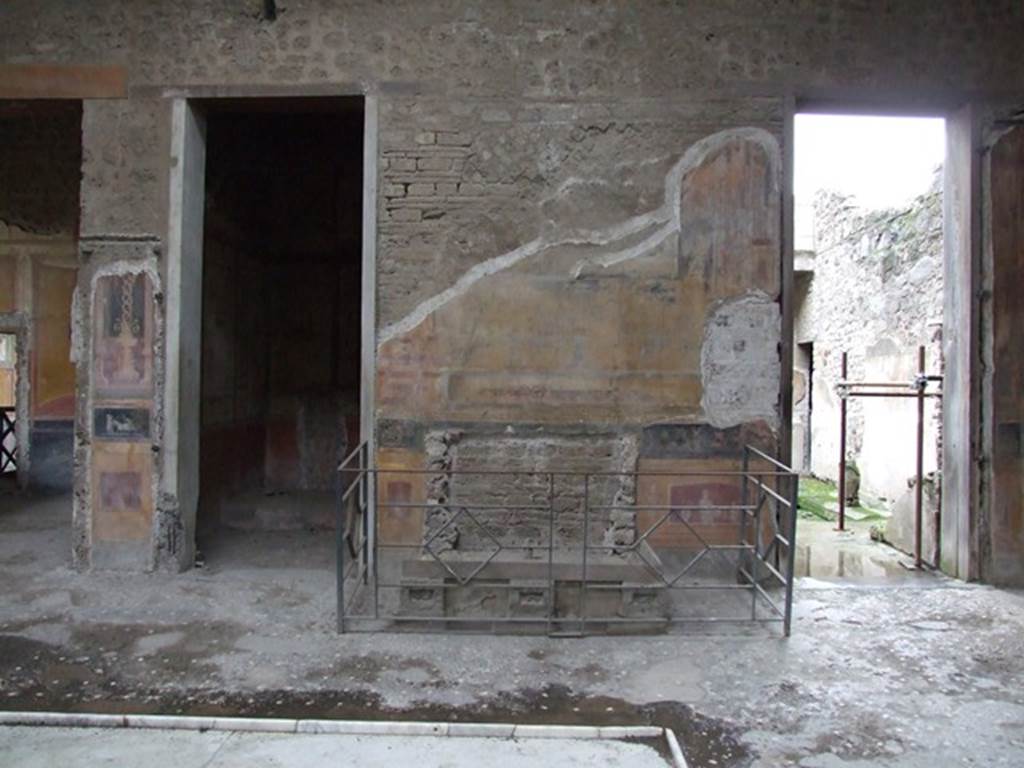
(40, 176)
(281, 312)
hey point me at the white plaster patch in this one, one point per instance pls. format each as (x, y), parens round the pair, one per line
(739, 362)
(664, 221)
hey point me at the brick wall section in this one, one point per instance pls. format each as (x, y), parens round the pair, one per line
(424, 180)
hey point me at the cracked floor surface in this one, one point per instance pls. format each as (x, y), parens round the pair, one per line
(915, 671)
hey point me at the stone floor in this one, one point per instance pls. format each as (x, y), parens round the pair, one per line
(886, 667)
(44, 747)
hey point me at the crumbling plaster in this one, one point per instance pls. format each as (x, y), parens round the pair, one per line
(105, 259)
(614, 242)
(632, 297)
(740, 362)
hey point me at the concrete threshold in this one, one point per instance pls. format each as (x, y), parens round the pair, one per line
(347, 727)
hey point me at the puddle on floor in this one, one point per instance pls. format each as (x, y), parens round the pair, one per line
(829, 562)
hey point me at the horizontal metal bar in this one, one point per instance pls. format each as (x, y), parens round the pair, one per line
(565, 473)
(711, 547)
(543, 586)
(674, 508)
(913, 395)
(684, 587)
(451, 583)
(761, 454)
(459, 619)
(890, 384)
(459, 505)
(543, 620)
(773, 494)
(683, 620)
(512, 547)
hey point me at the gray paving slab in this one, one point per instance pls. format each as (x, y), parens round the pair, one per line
(45, 747)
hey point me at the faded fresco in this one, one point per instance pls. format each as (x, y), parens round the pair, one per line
(123, 340)
(591, 335)
(123, 386)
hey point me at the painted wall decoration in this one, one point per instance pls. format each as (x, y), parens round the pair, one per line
(122, 496)
(121, 424)
(667, 315)
(53, 375)
(122, 390)
(123, 337)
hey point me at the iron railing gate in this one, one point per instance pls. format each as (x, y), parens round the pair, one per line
(563, 553)
(8, 440)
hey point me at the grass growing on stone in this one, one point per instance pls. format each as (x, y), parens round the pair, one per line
(813, 497)
(818, 498)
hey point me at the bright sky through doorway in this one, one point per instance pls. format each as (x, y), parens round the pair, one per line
(884, 162)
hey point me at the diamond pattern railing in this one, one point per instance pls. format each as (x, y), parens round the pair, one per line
(8, 441)
(439, 556)
(406, 562)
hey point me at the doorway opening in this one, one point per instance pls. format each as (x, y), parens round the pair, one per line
(281, 321)
(868, 288)
(803, 405)
(40, 179)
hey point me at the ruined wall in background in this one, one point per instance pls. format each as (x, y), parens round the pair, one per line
(40, 155)
(875, 292)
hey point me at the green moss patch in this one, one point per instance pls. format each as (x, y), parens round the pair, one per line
(819, 498)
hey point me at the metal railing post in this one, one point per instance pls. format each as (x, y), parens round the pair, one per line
(586, 546)
(791, 555)
(373, 523)
(339, 548)
(754, 552)
(842, 449)
(744, 495)
(551, 550)
(918, 489)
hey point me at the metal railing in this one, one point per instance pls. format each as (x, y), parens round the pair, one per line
(8, 441)
(563, 552)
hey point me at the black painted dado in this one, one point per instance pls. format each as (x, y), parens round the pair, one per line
(52, 447)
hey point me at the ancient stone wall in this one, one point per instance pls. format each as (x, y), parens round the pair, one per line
(876, 293)
(579, 204)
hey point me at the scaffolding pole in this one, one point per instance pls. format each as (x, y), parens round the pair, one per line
(916, 389)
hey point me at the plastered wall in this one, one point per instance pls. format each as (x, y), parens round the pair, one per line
(579, 206)
(1004, 533)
